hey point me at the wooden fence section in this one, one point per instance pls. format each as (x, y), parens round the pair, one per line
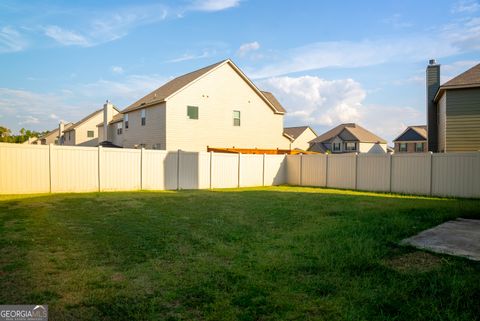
(451, 174)
(26, 169)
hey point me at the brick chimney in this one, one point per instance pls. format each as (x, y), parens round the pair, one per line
(107, 117)
(432, 86)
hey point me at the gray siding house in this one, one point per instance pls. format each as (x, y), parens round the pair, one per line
(453, 111)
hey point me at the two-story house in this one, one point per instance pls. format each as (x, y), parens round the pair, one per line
(299, 136)
(453, 110)
(216, 106)
(412, 140)
(348, 138)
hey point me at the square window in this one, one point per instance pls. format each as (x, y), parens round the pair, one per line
(236, 118)
(192, 112)
(419, 147)
(350, 146)
(336, 147)
(90, 133)
(402, 147)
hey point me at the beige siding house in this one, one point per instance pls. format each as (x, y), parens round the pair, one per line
(453, 111)
(412, 140)
(299, 136)
(348, 138)
(52, 137)
(216, 106)
(85, 132)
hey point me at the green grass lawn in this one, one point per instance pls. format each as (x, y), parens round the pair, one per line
(280, 253)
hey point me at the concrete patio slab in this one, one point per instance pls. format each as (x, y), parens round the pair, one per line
(460, 237)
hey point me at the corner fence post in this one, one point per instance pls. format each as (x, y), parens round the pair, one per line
(178, 169)
(99, 168)
(50, 166)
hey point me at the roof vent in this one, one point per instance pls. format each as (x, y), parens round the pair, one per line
(432, 62)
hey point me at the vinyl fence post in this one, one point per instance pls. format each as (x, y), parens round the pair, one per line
(141, 168)
(239, 162)
(99, 168)
(356, 171)
(301, 169)
(326, 170)
(178, 169)
(50, 166)
(391, 172)
(211, 168)
(431, 173)
(263, 171)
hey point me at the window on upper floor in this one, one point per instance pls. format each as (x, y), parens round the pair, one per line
(236, 118)
(350, 146)
(119, 128)
(90, 134)
(144, 117)
(336, 147)
(419, 147)
(402, 147)
(125, 119)
(192, 112)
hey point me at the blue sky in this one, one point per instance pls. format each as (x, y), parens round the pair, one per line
(326, 61)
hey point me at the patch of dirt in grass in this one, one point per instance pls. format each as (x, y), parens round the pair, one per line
(117, 277)
(414, 262)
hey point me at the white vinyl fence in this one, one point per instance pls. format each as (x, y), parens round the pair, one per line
(454, 174)
(28, 169)
(41, 169)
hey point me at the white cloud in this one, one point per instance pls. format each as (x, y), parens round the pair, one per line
(247, 48)
(66, 37)
(189, 56)
(327, 103)
(117, 69)
(214, 5)
(53, 116)
(466, 6)
(28, 120)
(11, 40)
(456, 38)
(397, 21)
(317, 101)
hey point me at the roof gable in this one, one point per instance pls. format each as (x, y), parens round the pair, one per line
(471, 77)
(354, 131)
(176, 85)
(295, 132)
(413, 133)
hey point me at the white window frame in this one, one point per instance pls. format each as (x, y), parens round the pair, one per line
(143, 117)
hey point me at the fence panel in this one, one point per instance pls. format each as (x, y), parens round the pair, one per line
(224, 170)
(341, 171)
(159, 170)
(275, 170)
(251, 170)
(119, 169)
(411, 173)
(74, 169)
(373, 172)
(24, 169)
(194, 170)
(314, 169)
(294, 169)
(456, 174)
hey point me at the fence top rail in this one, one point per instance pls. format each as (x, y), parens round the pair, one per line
(22, 146)
(459, 154)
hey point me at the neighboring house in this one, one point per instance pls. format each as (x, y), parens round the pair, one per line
(85, 132)
(348, 138)
(412, 140)
(299, 136)
(453, 110)
(51, 137)
(216, 106)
